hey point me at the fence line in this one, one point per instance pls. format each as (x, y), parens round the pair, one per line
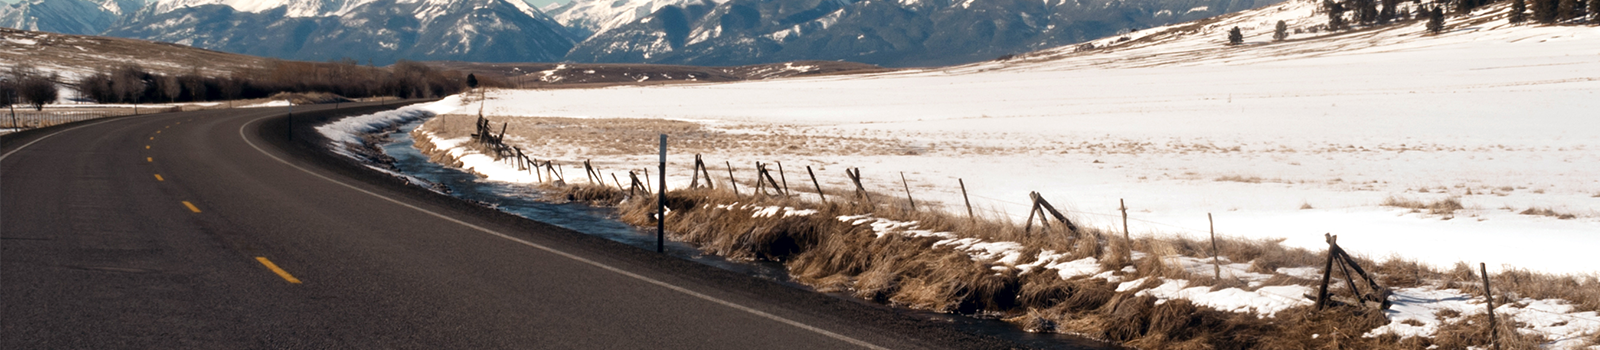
(32, 119)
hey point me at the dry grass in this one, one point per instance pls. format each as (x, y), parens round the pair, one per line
(1548, 212)
(833, 256)
(1446, 207)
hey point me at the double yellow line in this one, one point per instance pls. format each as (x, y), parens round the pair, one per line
(263, 260)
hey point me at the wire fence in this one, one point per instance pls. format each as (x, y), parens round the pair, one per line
(32, 119)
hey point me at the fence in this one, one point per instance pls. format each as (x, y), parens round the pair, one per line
(32, 119)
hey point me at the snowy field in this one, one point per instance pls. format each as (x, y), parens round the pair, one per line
(1502, 119)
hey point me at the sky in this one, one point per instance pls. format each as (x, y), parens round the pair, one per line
(538, 3)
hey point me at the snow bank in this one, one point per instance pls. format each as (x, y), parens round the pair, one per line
(277, 103)
(348, 131)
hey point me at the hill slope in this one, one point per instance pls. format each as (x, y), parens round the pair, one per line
(382, 31)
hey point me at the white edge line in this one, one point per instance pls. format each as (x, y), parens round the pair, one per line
(41, 138)
(616, 270)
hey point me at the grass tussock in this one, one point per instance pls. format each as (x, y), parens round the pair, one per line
(1548, 212)
(1446, 206)
(830, 255)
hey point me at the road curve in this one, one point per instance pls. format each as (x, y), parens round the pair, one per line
(210, 229)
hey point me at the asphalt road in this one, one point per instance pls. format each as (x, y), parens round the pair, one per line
(210, 229)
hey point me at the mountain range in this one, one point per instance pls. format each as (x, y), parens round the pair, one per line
(693, 32)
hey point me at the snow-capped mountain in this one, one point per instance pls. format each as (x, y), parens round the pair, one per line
(883, 32)
(586, 18)
(66, 16)
(382, 31)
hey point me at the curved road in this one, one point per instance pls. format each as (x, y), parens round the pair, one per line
(209, 229)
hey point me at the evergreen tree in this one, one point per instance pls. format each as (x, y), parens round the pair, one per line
(1367, 11)
(1568, 9)
(1335, 15)
(1280, 32)
(472, 80)
(1544, 11)
(1235, 37)
(1519, 11)
(1436, 20)
(1387, 14)
(1594, 11)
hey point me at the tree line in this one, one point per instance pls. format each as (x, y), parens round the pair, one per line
(1380, 12)
(27, 86)
(131, 83)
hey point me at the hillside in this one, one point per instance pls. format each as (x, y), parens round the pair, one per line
(77, 55)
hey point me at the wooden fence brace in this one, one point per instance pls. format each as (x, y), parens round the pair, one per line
(1216, 262)
(647, 181)
(1126, 239)
(1488, 297)
(700, 168)
(759, 183)
(963, 183)
(1057, 214)
(860, 190)
(908, 191)
(815, 183)
(1327, 272)
(768, 175)
(619, 182)
(588, 171)
(732, 180)
(784, 178)
(1027, 228)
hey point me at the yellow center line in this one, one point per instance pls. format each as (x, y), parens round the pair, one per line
(274, 267)
(150, 159)
(158, 178)
(158, 131)
(191, 206)
(152, 138)
(146, 146)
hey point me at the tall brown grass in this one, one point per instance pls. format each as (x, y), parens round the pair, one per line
(834, 256)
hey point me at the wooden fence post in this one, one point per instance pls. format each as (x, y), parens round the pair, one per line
(1215, 261)
(908, 191)
(784, 178)
(619, 182)
(818, 184)
(963, 183)
(860, 190)
(1327, 272)
(732, 180)
(1127, 240)
(1488, 297)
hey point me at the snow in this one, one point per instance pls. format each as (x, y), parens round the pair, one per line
(1265, 301)
(348, 131)
(600, 16)
(1288, 140)
(274, 103)
(1422, 305)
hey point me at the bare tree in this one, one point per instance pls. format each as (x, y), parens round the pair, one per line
(38, 91)
(170, 87)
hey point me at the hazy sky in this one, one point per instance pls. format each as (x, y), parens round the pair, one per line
(539, 3)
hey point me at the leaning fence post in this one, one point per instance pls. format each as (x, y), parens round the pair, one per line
(784, 178)
(1488, 296)
(908, 191)
(815, 183)
(731, 179)
(963, 183)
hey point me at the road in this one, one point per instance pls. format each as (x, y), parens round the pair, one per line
(209, 229)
